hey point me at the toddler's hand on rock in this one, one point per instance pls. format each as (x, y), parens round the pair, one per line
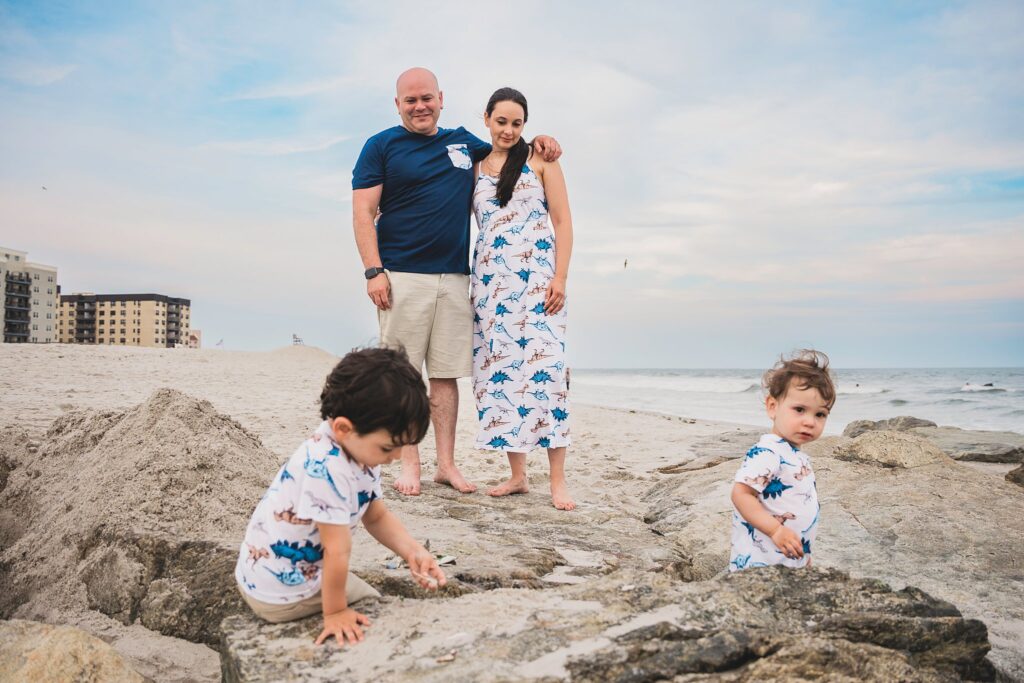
(788, 542)
(342, 625)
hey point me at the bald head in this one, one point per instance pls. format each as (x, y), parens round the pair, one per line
(417, 77)
(419, 100)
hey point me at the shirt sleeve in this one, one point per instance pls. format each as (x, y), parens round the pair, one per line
(758, 468)
(369, 169)
(326, 494)
(478, 149)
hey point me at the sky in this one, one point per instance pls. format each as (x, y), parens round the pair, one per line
(844, 176)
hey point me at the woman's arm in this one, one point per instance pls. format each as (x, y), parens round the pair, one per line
(550, 174)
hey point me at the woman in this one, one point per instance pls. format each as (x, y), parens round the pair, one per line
(519, 274)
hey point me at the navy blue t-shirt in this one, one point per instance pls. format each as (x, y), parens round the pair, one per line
(425, 201)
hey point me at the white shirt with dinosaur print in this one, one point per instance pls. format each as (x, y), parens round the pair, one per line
(281, 557)
(782, 475)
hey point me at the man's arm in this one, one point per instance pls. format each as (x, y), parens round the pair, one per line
(365, 203)
(547, 147)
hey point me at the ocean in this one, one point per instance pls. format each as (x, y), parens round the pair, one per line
(969, 398)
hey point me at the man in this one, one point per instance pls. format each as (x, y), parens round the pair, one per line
(419, 178)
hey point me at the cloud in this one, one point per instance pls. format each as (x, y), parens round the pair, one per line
(36, 74)
(296, 90)
(274, 147)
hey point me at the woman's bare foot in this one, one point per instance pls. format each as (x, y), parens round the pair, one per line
(510, 487)
(454, 479)
(560, 496)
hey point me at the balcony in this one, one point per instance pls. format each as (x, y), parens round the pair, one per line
(11, 292)
(16, 277)
(11, 306)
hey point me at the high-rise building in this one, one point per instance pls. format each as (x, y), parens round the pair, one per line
(124, 319)
(29, 311)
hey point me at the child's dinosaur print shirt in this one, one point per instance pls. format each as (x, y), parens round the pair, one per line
(782, 475)
(281, 556)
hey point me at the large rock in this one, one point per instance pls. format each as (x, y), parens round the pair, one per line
(941, 526)
(892, 449)
(966, 444)
(31, 651)
(139, 512)
(631, 625)
(1016, 476)
(893, 424)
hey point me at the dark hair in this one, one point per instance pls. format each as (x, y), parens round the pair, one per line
(519, 153)
(809, 368)
(378, 389)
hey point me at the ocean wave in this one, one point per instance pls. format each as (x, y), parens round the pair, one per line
(981, 387)
(846, 389)
(956, 401)
(898, 402)
(707, 385)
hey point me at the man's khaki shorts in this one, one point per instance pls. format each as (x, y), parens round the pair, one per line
(355, 590)
(431, 317)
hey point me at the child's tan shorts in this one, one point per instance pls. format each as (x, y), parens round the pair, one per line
(355, 590)
(431, 316)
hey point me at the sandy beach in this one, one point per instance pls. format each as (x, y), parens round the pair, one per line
(617, 460)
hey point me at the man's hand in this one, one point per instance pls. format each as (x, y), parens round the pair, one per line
(788, 542)
(547, 147)
(554, 300)
(424, 569)
(343, 625)
(379, 291)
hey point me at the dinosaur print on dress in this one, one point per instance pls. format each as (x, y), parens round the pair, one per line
(517, 242)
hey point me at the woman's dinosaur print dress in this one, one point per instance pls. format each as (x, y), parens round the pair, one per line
(518, 350)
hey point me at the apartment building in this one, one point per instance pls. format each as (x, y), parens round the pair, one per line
(29, 311)
(124, 319)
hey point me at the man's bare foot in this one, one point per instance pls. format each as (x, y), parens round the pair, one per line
(408, 482)
(560, 496)
(454, 479)
(510, 487)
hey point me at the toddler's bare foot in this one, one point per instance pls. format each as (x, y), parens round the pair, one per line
(510, 487)
(408, 482)
(452, 477)
(560, 496)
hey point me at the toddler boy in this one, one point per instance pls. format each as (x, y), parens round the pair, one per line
(295, 556)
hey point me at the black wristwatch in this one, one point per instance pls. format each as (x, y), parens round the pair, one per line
(371, 273)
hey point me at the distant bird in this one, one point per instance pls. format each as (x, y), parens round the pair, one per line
(44, 187)
(625, 263)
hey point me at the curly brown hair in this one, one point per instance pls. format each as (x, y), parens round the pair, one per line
(809, 368)
(378, 388)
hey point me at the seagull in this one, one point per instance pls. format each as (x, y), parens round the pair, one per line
(44, 187)
(625, 263)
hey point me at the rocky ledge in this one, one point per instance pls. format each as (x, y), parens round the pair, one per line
(959, 444)
(631, 626)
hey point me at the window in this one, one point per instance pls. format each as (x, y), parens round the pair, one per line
(35, 276)
(35, 327)
(49, 290)
(35, 314)
(49, 316)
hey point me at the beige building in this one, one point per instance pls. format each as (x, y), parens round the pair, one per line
(29, 311)
(124, 319)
